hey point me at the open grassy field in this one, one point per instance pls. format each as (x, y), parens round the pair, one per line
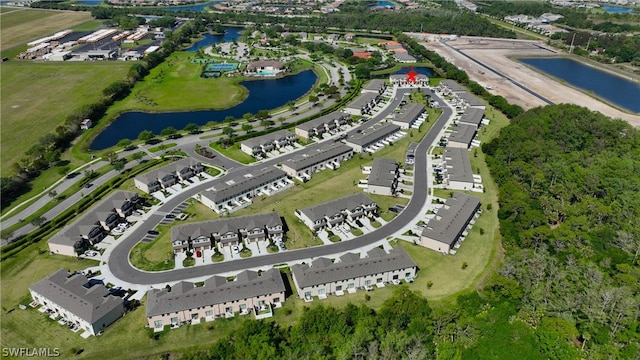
(21, 25)
(36, 98)
(176, 85)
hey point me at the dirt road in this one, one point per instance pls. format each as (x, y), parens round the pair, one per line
(487, 62)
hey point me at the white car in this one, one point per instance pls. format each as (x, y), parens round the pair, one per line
(91, 253)
(236, 249)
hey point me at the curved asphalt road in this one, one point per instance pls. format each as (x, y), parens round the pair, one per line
(119, 259)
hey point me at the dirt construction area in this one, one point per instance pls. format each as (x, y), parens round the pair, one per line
(487, 62)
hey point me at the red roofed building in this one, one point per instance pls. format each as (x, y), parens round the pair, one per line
(362, 54)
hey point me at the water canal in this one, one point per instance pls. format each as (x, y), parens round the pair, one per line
(612, 88)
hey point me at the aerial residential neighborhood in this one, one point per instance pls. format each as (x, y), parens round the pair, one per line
(320, 179)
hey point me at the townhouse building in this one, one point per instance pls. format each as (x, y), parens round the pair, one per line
(408, 115)
(168, 175)
(363, 104)
(335, 212)
(462, 136)
(314, 160)
(457, 170)
(350, 272)
(71, 296)
(227, 196)
(186, 303)
(226, 232)
(93, 226)
(451, 223)
(266, 143)
(362, 139)
(383, 179)
(375, 86)
(326, 123)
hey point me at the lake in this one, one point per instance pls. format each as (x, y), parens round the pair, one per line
(229, 35)
(197, 7)
(617, 9)
(385, 4)
(418, 69)
(615, 89)
(263, 95)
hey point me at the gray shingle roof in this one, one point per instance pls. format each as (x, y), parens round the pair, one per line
(221, 226)
(458, 164)
(319, 211)
(373, 134)
(383, 172)
(167, 169)
(452, 85)
(72, 293)
(409, 113)
(375, 85)
(319, 122)
(71, 234)
(403, 77)
(472, 116)
(470, 99)
(361, 101)
(267, 138)
(463, 133)
(351, 266)
(185, 296)
(242, 184)
(316, 156)
(452, 219)
(401, 56)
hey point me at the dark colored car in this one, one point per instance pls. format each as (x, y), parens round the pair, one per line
(88, 185)
(153, 232)
(170, 216)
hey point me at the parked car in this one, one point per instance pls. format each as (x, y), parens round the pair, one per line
(281, 245)
(170, 216)
(236, 249)
(153, 232)
(88, 185)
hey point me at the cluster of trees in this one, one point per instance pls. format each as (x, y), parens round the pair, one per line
(618, 47)
(402, 328)
(570, 217)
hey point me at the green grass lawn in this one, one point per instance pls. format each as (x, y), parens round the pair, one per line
(155, 255)
(233, 152)
(176, 85)
(36, 98)
(162, 147)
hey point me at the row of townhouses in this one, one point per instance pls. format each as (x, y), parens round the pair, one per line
(168, 175)
(350, 272)
(94, 225)
(266, 143)
(186, 303)
(314, 160)
(319, 126)
(361, 139)
(408, 115)
(375, 86)
(226, 196)
(451, 223)
(461, 96)
(335, 212)
(456, 170)
(403, 80)
(363, 104)
(205, 235)
(82, 303)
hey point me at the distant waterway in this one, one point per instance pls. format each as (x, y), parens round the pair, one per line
(230, 34)
(612, 88)
(617, 9)
(264, 94)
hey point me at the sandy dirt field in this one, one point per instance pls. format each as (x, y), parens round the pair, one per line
(486, 62)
